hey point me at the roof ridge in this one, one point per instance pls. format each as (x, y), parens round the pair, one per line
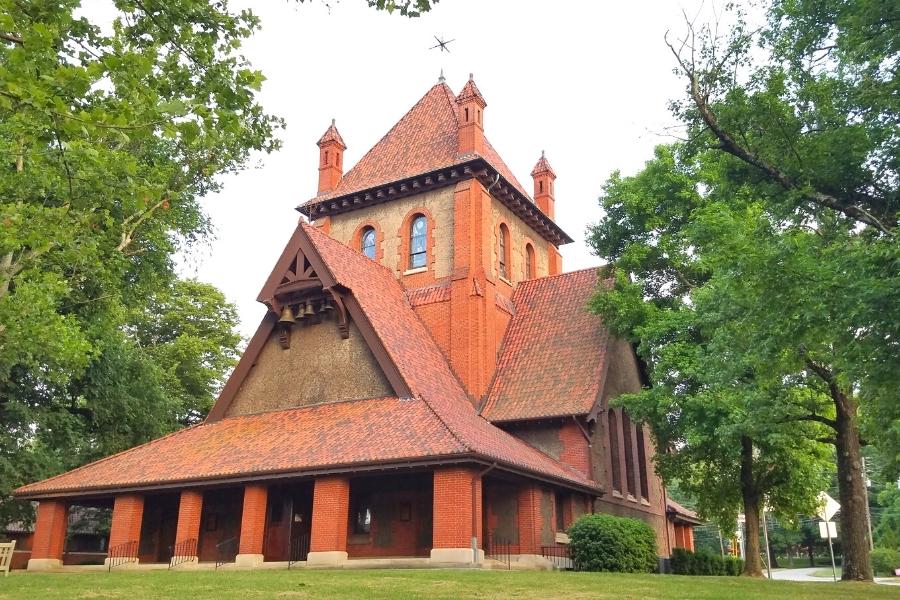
(361, 255)
(531, 282)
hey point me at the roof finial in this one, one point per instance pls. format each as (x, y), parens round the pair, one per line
(332, 121)
(542, 154)
(441, 77)
(471, 77)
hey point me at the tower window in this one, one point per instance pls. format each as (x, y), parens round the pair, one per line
(326, 157)
(502, 251)
(467, 115)
(418, 242)
(628, 439)
(367, 242)
(540, 187)
(642, 462)
(529, 262)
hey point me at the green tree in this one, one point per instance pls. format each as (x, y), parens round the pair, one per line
(812, 296)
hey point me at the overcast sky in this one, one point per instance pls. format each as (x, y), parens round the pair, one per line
(586, 81)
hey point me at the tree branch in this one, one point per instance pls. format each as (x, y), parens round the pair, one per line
(11, 37)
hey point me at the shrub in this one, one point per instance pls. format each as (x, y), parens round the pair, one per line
(608, 543)
(685, 562)
(885, 560)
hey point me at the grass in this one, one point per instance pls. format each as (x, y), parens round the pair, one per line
(432, 584)
(826, 573)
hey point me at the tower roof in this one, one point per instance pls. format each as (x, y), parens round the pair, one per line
(469, 92)
(425, 139)
(331, 135)
(542, 166)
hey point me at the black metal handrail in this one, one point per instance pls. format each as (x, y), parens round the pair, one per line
(498, 548)
(226, 551)
(121, 554)
(560, 556)
(299, 549)
(182, 552)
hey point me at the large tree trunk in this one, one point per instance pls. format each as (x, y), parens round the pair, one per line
(752, 562)
(854, 533)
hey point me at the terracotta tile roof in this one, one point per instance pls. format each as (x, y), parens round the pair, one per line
(542, 166)
(332, 135)
(376, 430)
(554, 353)
(438, 422)
(439, 292)
(424, 140)
(470, 91)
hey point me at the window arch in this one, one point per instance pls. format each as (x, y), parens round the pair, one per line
(503, 251)
(529, 262)
(615, 464)
(418, 242)
(367, 242)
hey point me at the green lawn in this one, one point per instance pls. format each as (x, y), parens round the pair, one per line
(826, 573)
(432, 584)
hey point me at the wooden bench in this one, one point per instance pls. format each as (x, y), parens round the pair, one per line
(6, 556)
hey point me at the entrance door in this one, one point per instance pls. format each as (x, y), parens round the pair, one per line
(288, 523)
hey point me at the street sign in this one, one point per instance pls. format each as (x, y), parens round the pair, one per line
(828, 507)
(827, 529)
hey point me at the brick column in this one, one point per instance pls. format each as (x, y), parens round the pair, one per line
(49, 535)
(253, 526)
(453, 516)
(330, 516)
(187, 532)
(128, 511)
(529, 520)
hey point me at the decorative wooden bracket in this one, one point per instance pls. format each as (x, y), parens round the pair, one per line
(342, 314)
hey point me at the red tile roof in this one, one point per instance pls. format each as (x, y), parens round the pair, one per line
(317, 437)
(424, 140)
(438, 422)
(470, 91)
(554, 353)
(682, 513)
(332, 135)
(542, 166)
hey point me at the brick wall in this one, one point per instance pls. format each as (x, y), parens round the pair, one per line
(330, 514)
(128, 512)
(253, 519)
(453, 508)
(530, 519)
(50, 529)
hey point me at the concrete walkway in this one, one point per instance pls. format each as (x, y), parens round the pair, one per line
(807, 575)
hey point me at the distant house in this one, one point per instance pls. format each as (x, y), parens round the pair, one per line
(427, 383)
(681, 523)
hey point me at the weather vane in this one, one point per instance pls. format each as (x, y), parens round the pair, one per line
(442, 44)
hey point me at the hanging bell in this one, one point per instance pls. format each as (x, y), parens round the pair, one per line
(287, 315)
(309, 310)
(326, 304)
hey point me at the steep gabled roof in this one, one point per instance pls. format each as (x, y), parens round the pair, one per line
(553, 359)
(331, 135)
(437, 423)
(424, 140)
(681, 514)
(542, 166)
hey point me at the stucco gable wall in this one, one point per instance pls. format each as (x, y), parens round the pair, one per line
(319, 367)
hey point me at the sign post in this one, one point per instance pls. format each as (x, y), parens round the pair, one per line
(828, 508)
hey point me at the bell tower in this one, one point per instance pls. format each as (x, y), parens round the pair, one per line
(331, 159)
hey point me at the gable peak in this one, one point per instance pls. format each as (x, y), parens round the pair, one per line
(331, 135)
(542, 167)
(471, 93)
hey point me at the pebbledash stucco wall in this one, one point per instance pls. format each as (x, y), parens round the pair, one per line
(391, 219)
(623, 377)
(320, 366)
(519, 234)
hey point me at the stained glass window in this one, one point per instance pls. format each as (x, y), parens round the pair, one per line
(418, 242)
(368, 242)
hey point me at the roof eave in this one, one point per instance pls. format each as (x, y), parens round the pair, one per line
(478, 167)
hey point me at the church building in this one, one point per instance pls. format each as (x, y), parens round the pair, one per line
(427, 386)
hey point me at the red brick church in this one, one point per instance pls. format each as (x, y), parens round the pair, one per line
(426, 385)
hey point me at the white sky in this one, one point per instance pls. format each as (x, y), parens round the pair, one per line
(586, 81)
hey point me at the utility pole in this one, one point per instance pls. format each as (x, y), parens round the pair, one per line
(868, 513)
(766, 537)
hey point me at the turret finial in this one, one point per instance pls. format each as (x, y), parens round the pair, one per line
(441, 77)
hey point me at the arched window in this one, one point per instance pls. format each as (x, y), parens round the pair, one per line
(642, 462)
(628, 439)
(529, 262)
(418, 242)
(615, 465)
(503, 251)
(367, 242)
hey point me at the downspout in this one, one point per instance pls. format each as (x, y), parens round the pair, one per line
(496, 180)
(475, 511)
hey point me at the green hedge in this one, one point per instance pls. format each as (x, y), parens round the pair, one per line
(685, 562)
(885, 560)
(607, 543)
